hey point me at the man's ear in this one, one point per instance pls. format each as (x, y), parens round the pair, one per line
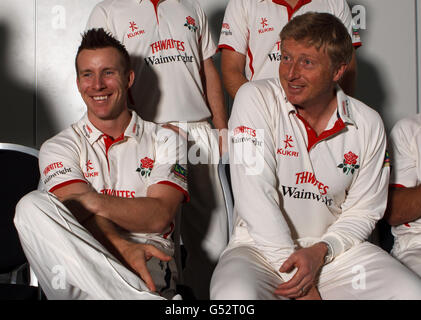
(130, 79)
(78, 83)
(339, 72)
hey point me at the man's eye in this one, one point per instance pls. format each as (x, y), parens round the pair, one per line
(285, 58)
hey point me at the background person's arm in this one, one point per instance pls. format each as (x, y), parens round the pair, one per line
(404, 202)
(215, 98)
(404, 205)
(232, 68)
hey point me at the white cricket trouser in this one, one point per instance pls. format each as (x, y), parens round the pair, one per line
(69, 262)
(363, 272)
(407, 249)
(204, 223)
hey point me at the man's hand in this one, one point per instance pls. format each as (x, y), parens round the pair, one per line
(312, 294)
(135, 255)
(308, 261)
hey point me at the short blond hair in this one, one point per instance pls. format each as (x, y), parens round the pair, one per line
(321, 30)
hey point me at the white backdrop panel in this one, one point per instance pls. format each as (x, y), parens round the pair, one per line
(39, 39)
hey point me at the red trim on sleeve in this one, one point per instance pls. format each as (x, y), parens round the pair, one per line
(225, 46)
(172, 184)
(251, 63)
(357, 45)
(397, 185)
(66, 183)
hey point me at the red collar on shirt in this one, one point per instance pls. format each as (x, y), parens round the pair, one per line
(312, 135)
(155, 5)
(291, 10)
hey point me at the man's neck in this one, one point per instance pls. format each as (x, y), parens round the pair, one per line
(292, 3)
(318, 115)
(112, 127)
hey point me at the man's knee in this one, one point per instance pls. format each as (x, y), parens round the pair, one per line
(232, 288)
(27, 208)
(410, 284)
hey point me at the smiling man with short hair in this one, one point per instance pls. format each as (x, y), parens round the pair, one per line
(303, 221)
(115, 183)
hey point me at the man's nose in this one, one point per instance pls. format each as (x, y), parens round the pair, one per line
(99, 83)
(294, 71)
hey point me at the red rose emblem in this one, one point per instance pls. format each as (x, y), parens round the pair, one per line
(147, 163)
(191, 21)
(350, 158)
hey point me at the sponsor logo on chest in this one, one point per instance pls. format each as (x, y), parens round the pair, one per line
(145, 167)
(264, 26)
(295, 193)
(276, 55)
(349, 163)
(119, 193)
(190, 24)
(167, 44)
(307, 177)
(90, 171)
(134, 30)
(162, 46)
(287, 150)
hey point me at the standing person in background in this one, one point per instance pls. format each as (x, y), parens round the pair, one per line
(404, 210)
(176, 82)
(250, 44)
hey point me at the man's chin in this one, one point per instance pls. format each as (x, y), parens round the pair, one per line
(294, 99)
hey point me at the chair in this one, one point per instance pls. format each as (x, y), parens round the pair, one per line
(382, 236)
(225, 179)
(19, 176)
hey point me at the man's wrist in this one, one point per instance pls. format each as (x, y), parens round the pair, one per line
(329, 252)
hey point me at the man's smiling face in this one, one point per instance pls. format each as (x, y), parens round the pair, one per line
(306, 73)
(103, 82)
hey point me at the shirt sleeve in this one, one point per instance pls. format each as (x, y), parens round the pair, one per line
(366, 198)
(345, 15)
(59, 163)
(234, 32)
(404, 155)
(253, 174)
(206, 43)
(170, 166)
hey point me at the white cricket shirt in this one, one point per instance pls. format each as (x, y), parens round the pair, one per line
(168, 42)
(252, 28)
(125, 167)
(405, 143)
(294, 188)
